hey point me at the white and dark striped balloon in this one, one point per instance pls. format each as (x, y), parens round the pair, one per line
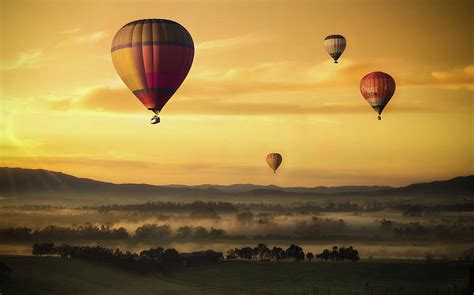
(335, 45)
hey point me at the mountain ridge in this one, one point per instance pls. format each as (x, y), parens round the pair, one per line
(22, 181)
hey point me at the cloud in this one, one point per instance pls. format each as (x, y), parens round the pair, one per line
(455, 76)
(227, 91)
(256, 90)
(277, 77)
(119, 100)
(232, 42)
(89, 38)
(25, 60)
(33, 58)
(262, 108)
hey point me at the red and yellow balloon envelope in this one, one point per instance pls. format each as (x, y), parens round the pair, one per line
(274, 161)
(377, 89)
(153, 57)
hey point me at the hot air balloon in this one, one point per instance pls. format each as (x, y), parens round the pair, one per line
(335, 45)
(274, 161)
(153, 57)
(377, 89)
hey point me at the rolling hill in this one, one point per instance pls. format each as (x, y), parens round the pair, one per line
(18, 181)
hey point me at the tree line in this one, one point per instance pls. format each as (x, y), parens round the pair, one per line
(314, 229)
(299, 207)
(167, 206)
(417, 230)
(154, 260)
(293, 252)
(104, 232)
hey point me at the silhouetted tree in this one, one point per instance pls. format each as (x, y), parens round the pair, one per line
(184, 232)
(339, 254)
(217, 233)
(200, 233)
(278, 253)
(43, 249)
(295, 252)
(153, 253)
(263, 251)
(153, 231)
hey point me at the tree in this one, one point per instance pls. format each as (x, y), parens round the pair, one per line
(215, 233)
(339, 254)
(43, 249)
(263, 251)
(153, 253)
(244, 253)
(153, 231)
(309, 256)
(184, 232)
(231, 254)
(201, 233)
(171, 260)
(278, 253)
(295, 252)
(324, 255)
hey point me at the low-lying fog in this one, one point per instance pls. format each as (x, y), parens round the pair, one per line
(376, 230)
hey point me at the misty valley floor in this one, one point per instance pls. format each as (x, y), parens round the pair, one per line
(50, 275)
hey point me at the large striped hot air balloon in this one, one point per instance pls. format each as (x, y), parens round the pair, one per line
(335, 45)
(274, 161)
(377, 89)
(153, 57)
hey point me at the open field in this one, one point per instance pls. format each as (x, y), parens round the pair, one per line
(46, 275)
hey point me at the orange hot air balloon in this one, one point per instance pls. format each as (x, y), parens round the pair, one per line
(377, 89)
(153, 57)
(274, 161)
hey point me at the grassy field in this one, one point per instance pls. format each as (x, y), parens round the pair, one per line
(46, 275)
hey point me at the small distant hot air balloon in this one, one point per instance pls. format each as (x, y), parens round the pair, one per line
(335, 45)
(274, 161)
(377, 89)
(153, 57)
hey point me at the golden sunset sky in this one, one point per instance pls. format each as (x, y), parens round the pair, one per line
(261, 82)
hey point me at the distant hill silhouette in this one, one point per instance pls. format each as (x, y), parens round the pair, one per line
(240, 188)
(459, 186)
(18, 181)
